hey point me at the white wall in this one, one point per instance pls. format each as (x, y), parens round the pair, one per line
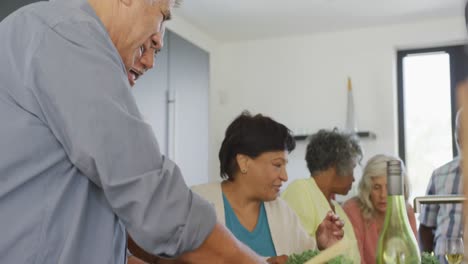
(301, 81)
(191, 33)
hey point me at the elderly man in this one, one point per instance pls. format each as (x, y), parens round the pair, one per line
(79, 167)
(438, 221)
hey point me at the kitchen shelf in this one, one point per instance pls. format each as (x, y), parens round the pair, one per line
(360, 134)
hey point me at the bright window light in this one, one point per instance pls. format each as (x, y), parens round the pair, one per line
(428, 131)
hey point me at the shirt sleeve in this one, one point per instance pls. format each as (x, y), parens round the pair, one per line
(297, 197)
(428, 216)
(81, 87)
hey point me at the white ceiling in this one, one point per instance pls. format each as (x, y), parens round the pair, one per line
(228, 20)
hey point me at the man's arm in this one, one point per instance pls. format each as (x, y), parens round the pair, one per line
(89, 108)
(426, 238)
(134, 260)
(428, 219)
(219, 247)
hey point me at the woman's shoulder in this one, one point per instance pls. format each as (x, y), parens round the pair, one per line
(296, 191)
(208, 190)
(409, 209)
(278, 204)
(280, 207)
(297, 184)
(351, 204)
(352, 208)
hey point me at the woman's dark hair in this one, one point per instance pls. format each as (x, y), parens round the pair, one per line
(331, 148)
(252, 136)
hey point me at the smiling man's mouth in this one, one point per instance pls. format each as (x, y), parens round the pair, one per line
(136, 73)
(133, 75)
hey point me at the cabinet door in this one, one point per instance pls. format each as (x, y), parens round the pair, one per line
(174, 99)
(150, 94)
(189, 84)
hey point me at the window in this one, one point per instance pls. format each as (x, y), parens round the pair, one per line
(427, 81)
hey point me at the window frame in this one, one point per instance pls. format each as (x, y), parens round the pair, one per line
(458, 72)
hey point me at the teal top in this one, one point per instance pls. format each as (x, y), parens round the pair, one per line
(259, 240)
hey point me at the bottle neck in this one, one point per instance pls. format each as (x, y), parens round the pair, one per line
(396, 210)
(397, 202)
(395, 185)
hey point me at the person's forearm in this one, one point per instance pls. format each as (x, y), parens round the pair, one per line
(219, 247)
(134, 260)
(139, 252)
(426, 238)
(222, 247)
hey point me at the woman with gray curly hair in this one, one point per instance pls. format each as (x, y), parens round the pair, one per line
(331, 157)
(366, 211)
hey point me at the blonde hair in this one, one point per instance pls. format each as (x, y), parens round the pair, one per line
(376, 167)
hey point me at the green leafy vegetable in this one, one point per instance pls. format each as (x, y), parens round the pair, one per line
(308, 254)
(340, 260)
(303, 257)
(427, 258)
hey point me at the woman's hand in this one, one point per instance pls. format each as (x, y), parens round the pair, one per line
(329, 231)
(278, 260)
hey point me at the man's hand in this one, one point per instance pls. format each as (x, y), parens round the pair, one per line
(329, 231)
(426, 238)
(278, 260)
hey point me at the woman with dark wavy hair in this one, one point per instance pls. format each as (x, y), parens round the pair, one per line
(331, 157)
(253, 159)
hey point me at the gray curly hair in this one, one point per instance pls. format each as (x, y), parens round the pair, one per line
(376, 167)
(332, 148)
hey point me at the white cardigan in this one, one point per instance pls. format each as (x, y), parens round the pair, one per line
(287, 233)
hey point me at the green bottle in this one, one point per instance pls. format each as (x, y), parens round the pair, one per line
(397, 244)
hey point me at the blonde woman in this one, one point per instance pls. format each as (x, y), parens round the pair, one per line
(367, 210)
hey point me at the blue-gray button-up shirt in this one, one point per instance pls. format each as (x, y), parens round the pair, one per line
(78, 165)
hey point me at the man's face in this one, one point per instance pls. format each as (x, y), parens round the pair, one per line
(140, 21)
(144, 57)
